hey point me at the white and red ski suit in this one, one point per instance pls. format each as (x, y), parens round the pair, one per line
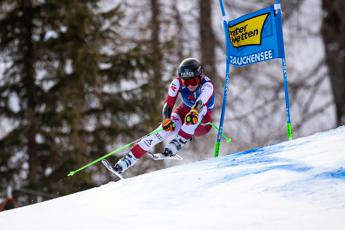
(204, 92)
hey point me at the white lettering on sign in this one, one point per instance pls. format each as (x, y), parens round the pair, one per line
(251, 59)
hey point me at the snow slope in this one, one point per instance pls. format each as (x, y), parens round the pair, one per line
(293, 185)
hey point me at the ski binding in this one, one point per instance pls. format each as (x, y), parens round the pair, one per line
(110, 168)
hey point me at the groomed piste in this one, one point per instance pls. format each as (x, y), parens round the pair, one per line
(296, 184)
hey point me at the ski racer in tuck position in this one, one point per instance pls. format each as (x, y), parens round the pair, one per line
(183, 122)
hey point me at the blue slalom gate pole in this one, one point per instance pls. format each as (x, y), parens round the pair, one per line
(287, 100)
(227, 78)
(278, 13)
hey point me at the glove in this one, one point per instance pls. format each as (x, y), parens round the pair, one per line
(192, 117)
(168, 125)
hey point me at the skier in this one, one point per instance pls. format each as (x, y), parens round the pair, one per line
(183, 122)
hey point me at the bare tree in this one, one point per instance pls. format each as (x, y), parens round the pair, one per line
(157, 58)
(207, 37)
(333, 34)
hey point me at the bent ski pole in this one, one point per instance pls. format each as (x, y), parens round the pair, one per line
(113, 152)
(228, 139)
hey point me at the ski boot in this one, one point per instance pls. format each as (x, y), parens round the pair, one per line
(174, 146)
(121, 166)
(125, 162)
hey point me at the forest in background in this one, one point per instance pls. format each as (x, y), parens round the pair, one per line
(80, 78)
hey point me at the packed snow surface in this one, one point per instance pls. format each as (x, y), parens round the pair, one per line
(297, 184)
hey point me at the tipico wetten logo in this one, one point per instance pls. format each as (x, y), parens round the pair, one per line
(247, 32)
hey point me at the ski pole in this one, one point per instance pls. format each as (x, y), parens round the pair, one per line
(72, 173)
(228, 139)
(113, 152)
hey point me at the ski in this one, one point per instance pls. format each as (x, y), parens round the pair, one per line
(110, 168)
(160, 156)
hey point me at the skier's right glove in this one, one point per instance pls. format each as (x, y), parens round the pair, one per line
(192, 117)
(168, 125)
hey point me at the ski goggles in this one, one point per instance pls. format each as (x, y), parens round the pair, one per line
(193, 81)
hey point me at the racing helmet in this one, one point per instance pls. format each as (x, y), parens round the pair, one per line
(190, 71)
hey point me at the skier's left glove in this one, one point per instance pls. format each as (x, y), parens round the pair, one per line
(192, 117)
